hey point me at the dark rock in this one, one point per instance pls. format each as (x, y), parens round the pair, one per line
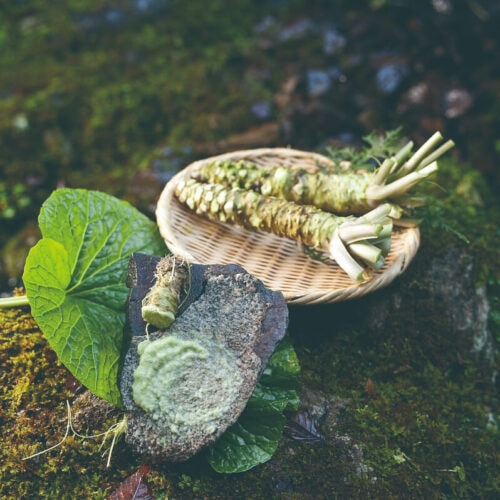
(317, 421)
(446, 299)
(166, 161)
(390, 76)
(297, 30)
(464, 305)
(457, 101)
(91, 412)
(320, 412)
(318, 82)
(262, 110)
(206, 363)
(333, 41)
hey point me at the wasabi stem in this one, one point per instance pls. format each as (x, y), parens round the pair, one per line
(305, 224)
(341, 193)
(15, 301)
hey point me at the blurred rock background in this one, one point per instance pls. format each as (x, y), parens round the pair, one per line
(119, 95)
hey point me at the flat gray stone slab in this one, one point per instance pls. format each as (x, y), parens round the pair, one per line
(183, 387)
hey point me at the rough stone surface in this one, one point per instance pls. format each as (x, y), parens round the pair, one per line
(465, 305)
(447, 298)
(238, 322)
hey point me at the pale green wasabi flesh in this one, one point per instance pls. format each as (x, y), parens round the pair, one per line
(156, 316)
(185, 382)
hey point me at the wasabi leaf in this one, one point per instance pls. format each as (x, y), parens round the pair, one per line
(377, 146)
(75, 281)
(253, 439)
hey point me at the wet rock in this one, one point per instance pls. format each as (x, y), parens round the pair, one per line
(262, 110)
(464, 305)
(297, 30)
(321, 411)
(448, 301)
(149, 6)
(457, 101)
(418, 94)
(333, 41)
(204, 367)
(114, 16)
(167, 161)
(390, 76)
(317, 421)
(442, 6)
(318, 82)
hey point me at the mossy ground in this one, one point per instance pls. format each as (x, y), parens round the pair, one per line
(90, 88)
(34, 387)
(425, 420)
(424, 407)
(418, 407)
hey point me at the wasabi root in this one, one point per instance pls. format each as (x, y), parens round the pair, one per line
(160, 305)
(341, 193)
(305, 224)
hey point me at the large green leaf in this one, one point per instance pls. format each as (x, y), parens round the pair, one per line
(75, 280)
(253, 439)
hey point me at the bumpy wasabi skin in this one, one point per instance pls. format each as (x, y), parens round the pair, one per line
(170, 367)
(159, 307)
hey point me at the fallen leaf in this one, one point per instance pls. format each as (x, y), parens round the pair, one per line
(133, 487)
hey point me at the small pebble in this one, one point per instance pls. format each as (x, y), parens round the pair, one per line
(318, 82)
(390, 76)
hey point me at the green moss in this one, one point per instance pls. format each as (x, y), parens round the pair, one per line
(79, 92)
(422, 406)
(422, 428)
(33, 389)
(422, 418)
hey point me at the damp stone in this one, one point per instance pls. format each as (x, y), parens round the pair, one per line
(182, 387)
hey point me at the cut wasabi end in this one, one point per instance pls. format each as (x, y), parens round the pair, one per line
(155, 316)
(367, 252)
(339, 253)
(159, 306)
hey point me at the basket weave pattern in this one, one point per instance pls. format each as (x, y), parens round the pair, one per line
(280, 263)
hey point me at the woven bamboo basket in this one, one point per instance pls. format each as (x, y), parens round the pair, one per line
(278, 262)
